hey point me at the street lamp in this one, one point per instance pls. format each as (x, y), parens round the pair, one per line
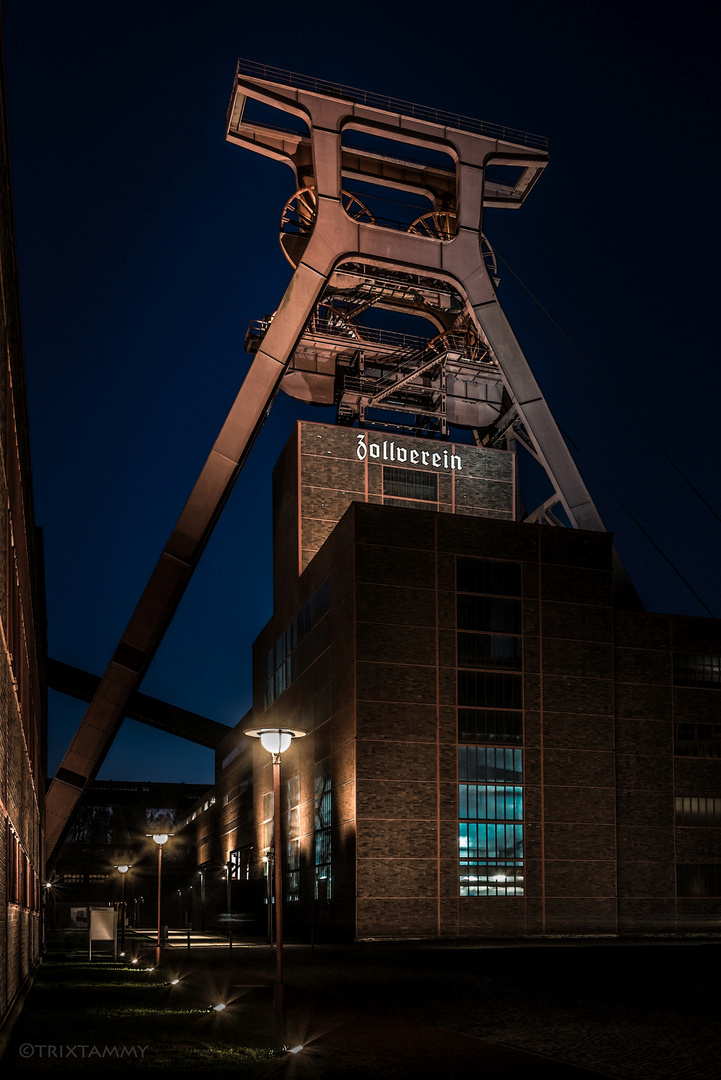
(276, 741)
(228, 867)
(122, 870)
(160, 839)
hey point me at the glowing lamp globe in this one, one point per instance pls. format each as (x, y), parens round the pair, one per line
(276, 740)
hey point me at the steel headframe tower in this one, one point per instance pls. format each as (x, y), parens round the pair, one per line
(347, 260)
(437, 265)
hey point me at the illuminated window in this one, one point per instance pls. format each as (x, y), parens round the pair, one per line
(700, 812)
(291, 805)
(490, 828)
(695, 669)
(239, 861)
(267, 826)
(322, 832)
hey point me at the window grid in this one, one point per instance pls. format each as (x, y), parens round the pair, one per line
(490, 704)
(291, 800)
(489, 650)
(697, 740)
(490, 828)
(299, 645)
(322, 843)
(492, 576)
(490, 725)
(409, 486)
(696, 669)
(697, 811)
(695, 880)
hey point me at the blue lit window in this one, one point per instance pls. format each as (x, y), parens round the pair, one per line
(490, 827)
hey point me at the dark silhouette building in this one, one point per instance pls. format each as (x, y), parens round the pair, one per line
(112, 828)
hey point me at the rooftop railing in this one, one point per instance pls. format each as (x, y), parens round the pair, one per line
(390, 104)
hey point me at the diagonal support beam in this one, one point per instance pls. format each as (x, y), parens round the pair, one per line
(82, 685)
(182, 552)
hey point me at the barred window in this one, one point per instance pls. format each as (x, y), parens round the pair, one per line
(499, 726)
(494, 576)
(13, 865)
(490, 801)
(322, 834)
(490, 827)
(489, 842)
(410, 484)
(268, 822)
(239, 863)
(489, 763)
(695, 669)
(489, 690)
(491, 613)
(697, 740)
(698, 880)
(291, 793)
(302, 642)
(489, 650)
(700, 811)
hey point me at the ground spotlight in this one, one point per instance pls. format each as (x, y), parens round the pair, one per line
(219, 1007)
(174, 982)
(295, 1050)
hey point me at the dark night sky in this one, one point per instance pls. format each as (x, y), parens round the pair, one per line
(146, 243)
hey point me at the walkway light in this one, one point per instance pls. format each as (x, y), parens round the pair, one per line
(276, 741)
(122, 869)
(160, 839)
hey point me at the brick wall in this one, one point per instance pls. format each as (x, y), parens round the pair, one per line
(22, 648)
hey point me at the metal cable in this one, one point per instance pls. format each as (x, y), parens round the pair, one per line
(645, 430)
(613, 393)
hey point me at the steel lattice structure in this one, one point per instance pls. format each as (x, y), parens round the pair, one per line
(349, 260)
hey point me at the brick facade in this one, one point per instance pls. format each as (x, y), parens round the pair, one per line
(375, 680)
(22, 646)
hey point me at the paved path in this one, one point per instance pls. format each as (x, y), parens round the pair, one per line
(411, 1011)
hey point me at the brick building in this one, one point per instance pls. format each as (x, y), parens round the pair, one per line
(22, 648)
(112, 827)
(496, 747)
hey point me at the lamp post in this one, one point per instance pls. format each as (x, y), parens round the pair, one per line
(160, 839)
(122, 870)
(276, 741)
(228, 867)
